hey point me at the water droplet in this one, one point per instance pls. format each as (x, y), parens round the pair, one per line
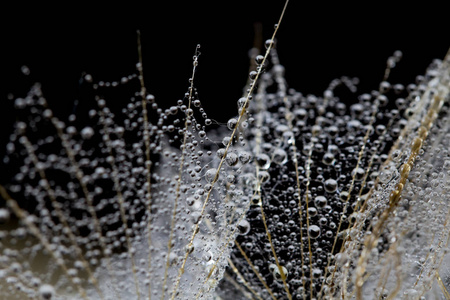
(220, 153)
(196, 216)
(279, 156)
(87, 133)
(242, 102)
(46, 291)
(328, 159)
(259, 59)
(256, 199)
(314, 231)
(330, 185)
(263, 161)
(4, 216)
(243, 227)
(201, 134)
(320, 201)
(244, 157)
(232, 123)
(276, 272)
(269, 43)
(358, 174)
(263, 176)
(25, 70)
(189, 248)
(447, 164)
(210, 175)
(226, 140)
(232, 159)
(312, 212)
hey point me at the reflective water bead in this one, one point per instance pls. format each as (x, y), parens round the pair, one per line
(314, 231)
(263, 176)
(242, 102)
(210, 175)
(196, 216)
(358, 174)
(263, 161)
(256, 200)
(343, 196)
(87, 133)
(269, 43)
(220, 153)
(259, 59)
(226, 140)
(320, 201)
(232, 159)
(279, 156)
(328, 158)
(4, 215)
(46, 291)
(202, 134)
(231, 124)
(333, 131)
(312, 212)
(330, 185)
(275, 270)
(244, 157)
(447, 164)
(243, 227)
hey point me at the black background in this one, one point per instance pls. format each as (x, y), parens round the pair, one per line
(316, 43)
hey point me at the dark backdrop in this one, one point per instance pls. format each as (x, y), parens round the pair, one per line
(316, 43)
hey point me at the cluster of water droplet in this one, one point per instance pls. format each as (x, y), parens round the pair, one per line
(413, 191)
(113, 207)
(297, 197)
(327, 169)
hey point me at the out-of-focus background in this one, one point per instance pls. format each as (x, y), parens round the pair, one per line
(317, 42)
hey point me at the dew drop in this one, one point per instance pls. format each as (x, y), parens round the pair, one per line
(330, 185)
(269, 43)
(46, 291)
(328, 159)
(447, 164)
(25, 70)
(276, 272)
(210, 175)
(4, 216)
(263, 176)
(243, 227)
(358, 174)
(87, 133)
(263, 161)
(196, 217)
(253, 75)
(196, 103)
(244, 157)
(312, 212)
(232, 159)
(259, 59)
(242, 102)
(314, 231)
(226, 140)
(232, 123)
(220, 153)
(320, 201)
(279, 156)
